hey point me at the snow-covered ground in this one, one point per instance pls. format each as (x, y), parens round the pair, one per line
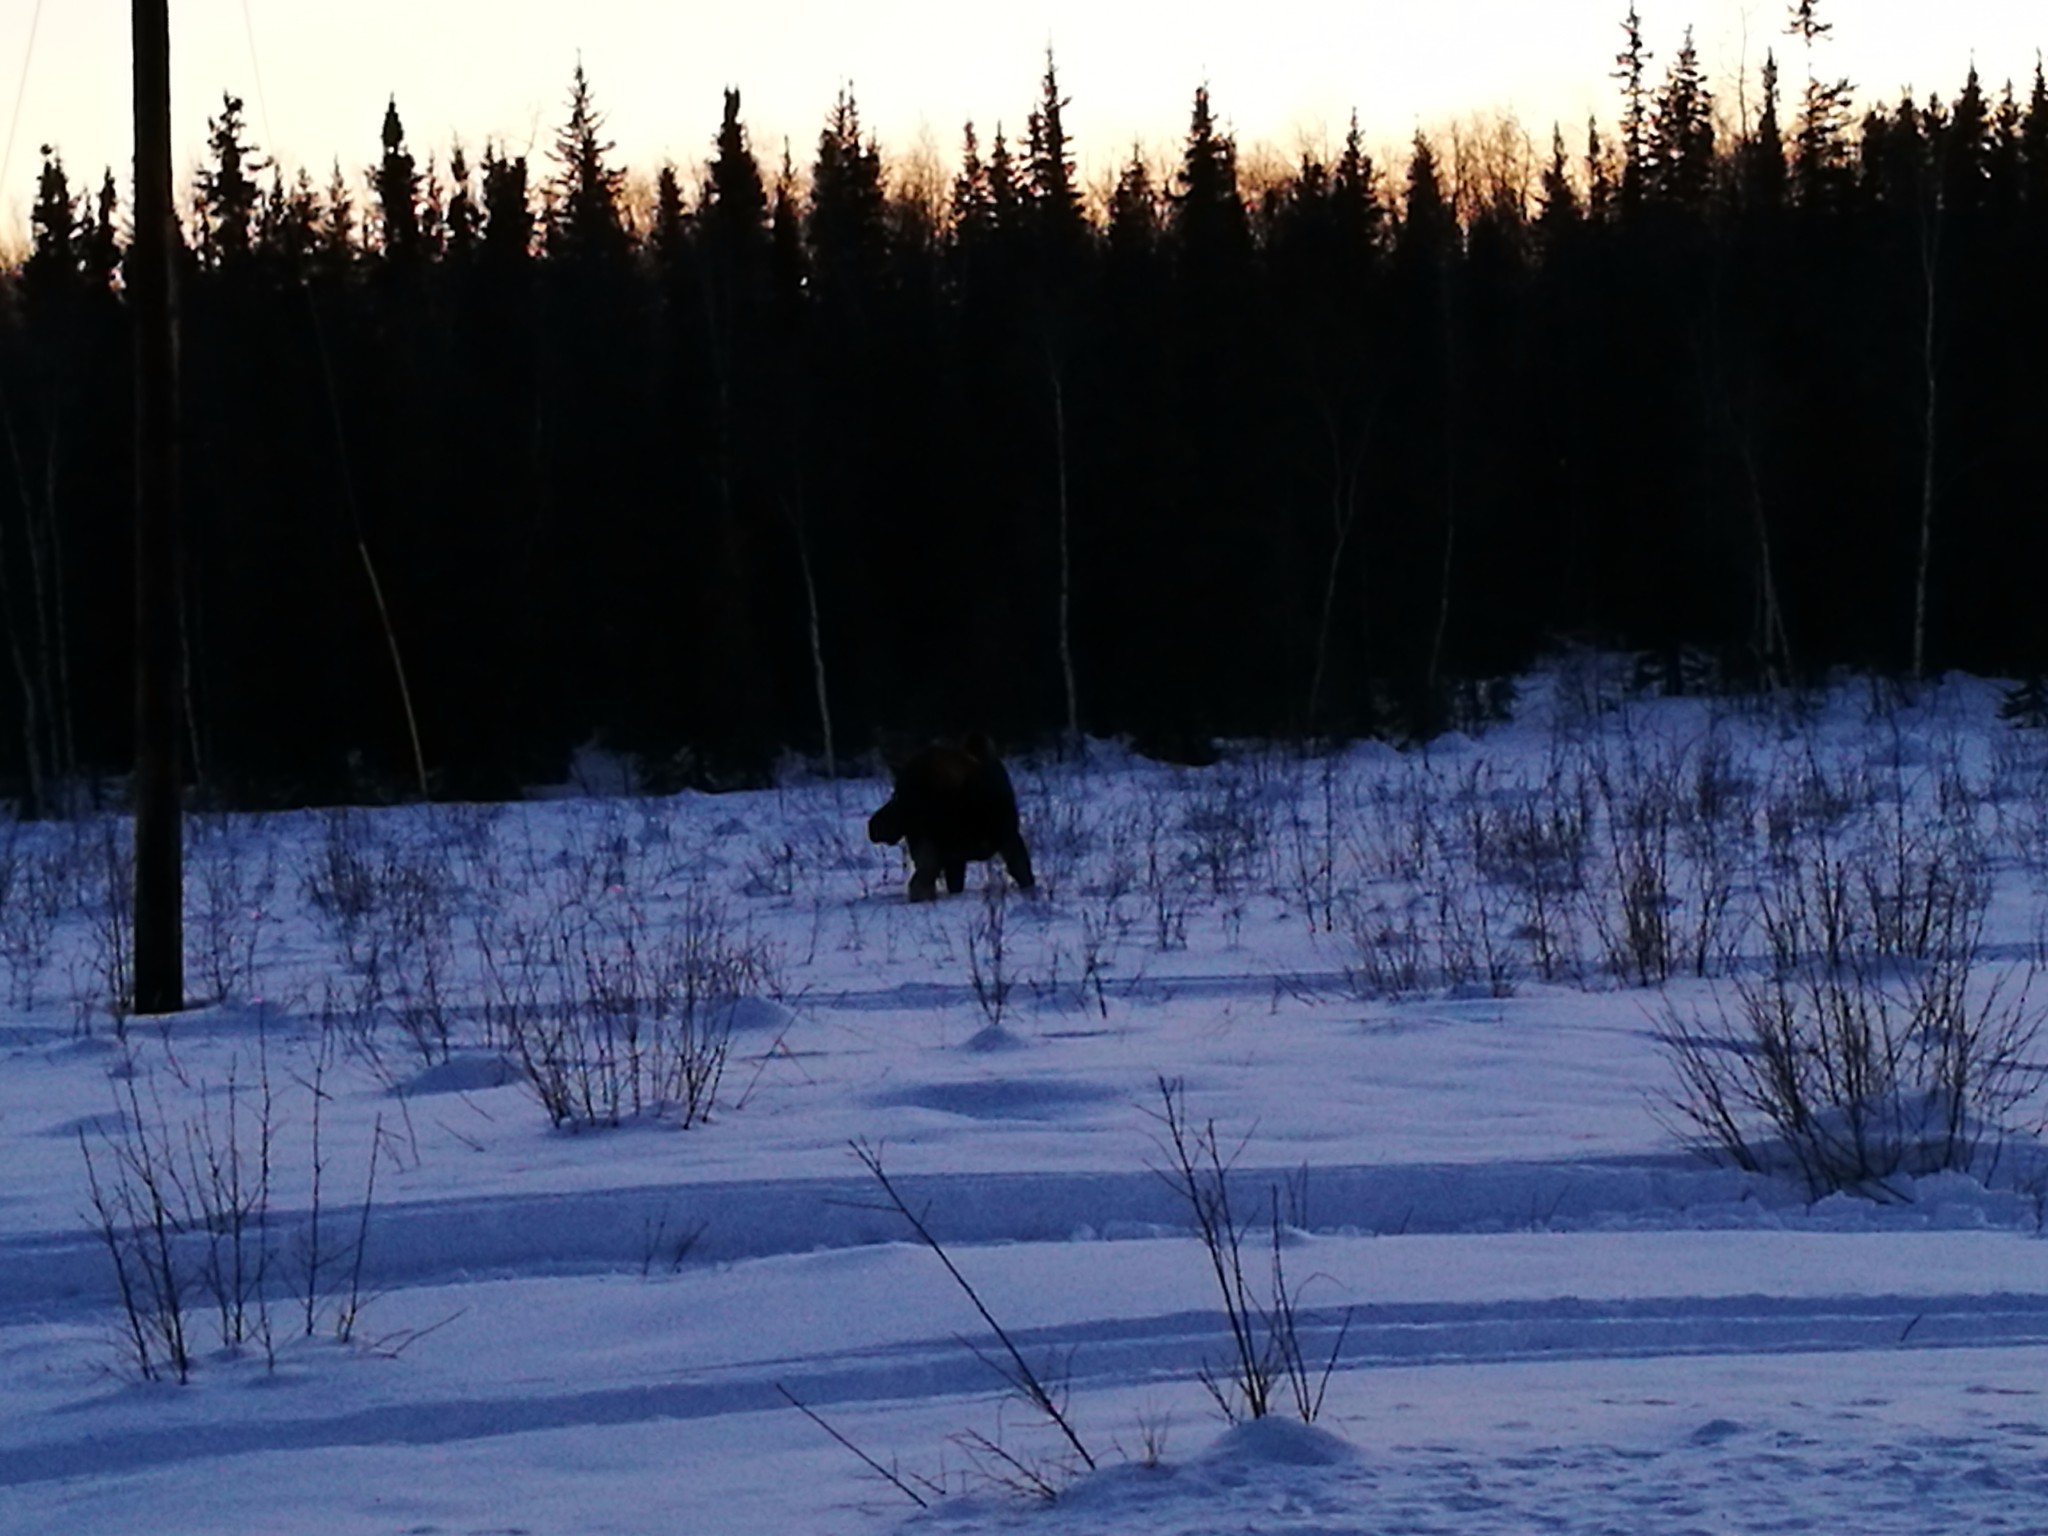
(1420, 998)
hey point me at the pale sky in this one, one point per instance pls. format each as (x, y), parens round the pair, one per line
(315, 73)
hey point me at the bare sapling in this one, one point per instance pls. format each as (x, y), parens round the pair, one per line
(1027, 1381)
(988, 954)
(1267, 1354)
(137, 1206)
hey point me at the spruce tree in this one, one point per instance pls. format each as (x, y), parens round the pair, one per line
(1682, 134)
(1558, 208)
(508, 208)
(396, 180)
(2034, 149)
(1963, 147)
(1354, 196)
(735, 672)
(586, 220)
(336, 248)
(1134, 223)
(227, 192)
(1060, 225)
(289, 224)
(971, 209)
(1600, 195)
(2004, 161)
(736, 201)
(1005, 188)
(1206, 211)
(1631, 68)
(464, 218)
(1761, 160)
(101, 248)
(847, 223)
(56, 233)
(1820, 158)
(668, 241)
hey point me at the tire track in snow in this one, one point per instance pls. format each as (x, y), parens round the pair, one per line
(53, 1274)
(1099, 1355)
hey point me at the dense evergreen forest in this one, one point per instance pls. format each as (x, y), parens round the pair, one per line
(798, 456)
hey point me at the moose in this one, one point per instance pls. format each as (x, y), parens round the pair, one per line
(953, 804)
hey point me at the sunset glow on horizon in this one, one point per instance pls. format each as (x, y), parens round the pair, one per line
(315, 79)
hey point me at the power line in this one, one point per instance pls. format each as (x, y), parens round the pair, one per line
(35, 21)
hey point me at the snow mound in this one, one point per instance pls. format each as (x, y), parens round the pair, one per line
(1278, 1442)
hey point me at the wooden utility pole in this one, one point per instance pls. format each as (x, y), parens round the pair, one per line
(159, 832)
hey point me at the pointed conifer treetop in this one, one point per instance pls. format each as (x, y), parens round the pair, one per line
(1682, 138)
(1354, 193)
(587, 220)
(671, 215)
(335, 245)
(1631, 68)
(397, 183)
(970, 208)
(1134, 208)
(1428, 223)
(1207, 213)
(1820, 159)
(1964, 148)
(1763, 153)
(1055, 194)
(508, 207)
(464, 218)
(101, 249)
(227, 190)
(736, 198)
(55, 228)
(1559, 209)
(2034, 143)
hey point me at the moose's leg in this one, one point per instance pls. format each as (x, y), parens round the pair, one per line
(924, 875)
(1017, 859)
(956, 875)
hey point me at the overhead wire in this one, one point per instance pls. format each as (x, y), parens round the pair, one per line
(28, 56)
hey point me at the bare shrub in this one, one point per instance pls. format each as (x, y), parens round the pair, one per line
(1473, 942)
(1847, 1061)
(1919, 876)
(137, 1205)
(1641, 803)
(389, 905)
(226, 902)
(988, 953)
(1265, 1324)
(1387, 951)
(339, 876)
(1228, 824)
(623, 1019)
(183, 1207)
(1313, 840)
(31, 901)
(1162, 873)
(103, 979)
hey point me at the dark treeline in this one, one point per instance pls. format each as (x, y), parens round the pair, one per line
(795, 456)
